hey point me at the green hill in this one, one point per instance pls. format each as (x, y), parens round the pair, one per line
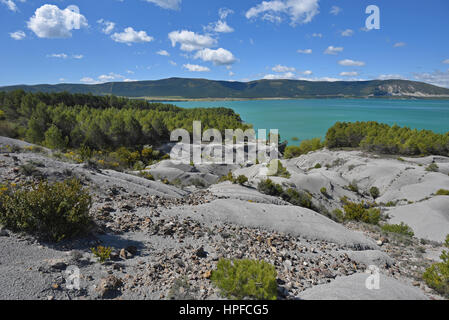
(181, 88)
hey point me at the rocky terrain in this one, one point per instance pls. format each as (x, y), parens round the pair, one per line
(168, 237)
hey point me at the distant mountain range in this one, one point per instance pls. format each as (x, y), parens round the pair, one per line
(182, 88)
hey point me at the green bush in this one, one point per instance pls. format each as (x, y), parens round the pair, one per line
(278, 171)
(269, 187)
(358, 212)
(442, 192)
(437, 275)
(383, 138)
(323, 190)
(433, 167)
(50, 211)
(241, 279)
(401, 228)
(318, 166)
(241, 180)
(353, 187)
(102, 253)
(305, 147)
(298, 198)
(375, 193)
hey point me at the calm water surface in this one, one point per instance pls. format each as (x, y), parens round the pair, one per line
(306, 119)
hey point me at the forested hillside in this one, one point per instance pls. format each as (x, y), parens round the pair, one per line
(181, 88)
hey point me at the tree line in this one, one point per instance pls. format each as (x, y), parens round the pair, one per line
(64, 120)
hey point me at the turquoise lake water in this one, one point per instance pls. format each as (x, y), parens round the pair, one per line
(311, 118)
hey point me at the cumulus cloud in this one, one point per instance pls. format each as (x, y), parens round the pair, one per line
(129, 36)
(336, 10)
(106, 78)
(18, 35)
(220, 26)
(333, 50)
(167, 4)
(163, 53)
(107, 26)
(349, 74)
(220, 57)
(390, 76)
(351, 63)
(49, 21)
(317, 35)
(299, 11)
(307, 72)
(89, 80)
(196, 68)
(191, 41)
(224, 13)
(65, 56)
(279, 68)
(437, 78)
(305, 51)
(347, 33)
(446, 61)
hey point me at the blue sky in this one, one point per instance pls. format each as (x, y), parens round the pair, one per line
(113, 40)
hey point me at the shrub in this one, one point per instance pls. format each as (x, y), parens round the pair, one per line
(241, 279)
(298, 198)
(433, 167)
(269, 187)
(306, 146)
(323, 190)
(375, 193)
(146, 175)
(353, 187)
(51, 211)
(228, 177)
(278, 171)
(358, 212)
(401, 228)
(241, 180)
(437, 275)
(102, 253)
(442, 192)
(318, 166)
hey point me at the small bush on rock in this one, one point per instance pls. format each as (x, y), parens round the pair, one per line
(375, 193)
(358, 212)
(401, 228)
(442, 192)
(241, 279)
(51, 211)
(269, 187)
(437, 276)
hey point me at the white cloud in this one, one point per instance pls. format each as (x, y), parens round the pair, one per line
(333, 50)
(51, 22)
(287, 75)
(390, 76)
(399, 44)
(18, 35)
(438, 78)
(317, 35)
(163, 53)
(349, 74)
(446, 61)
(11, 4)
(224, 13)
(351, 63)
(196, 68)
(336, 10)
(108, 26)
(167, 4)
(58, 55)
(280, 69)
(347, 33)
(220, 26)
(307, 72)
(89, 80)
(173, 63)
(129, 36)
(220, 57)
(299, 11)
(191, 41)
(65, 56)
(305, 51)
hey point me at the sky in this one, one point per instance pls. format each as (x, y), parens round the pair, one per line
(100, 41)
